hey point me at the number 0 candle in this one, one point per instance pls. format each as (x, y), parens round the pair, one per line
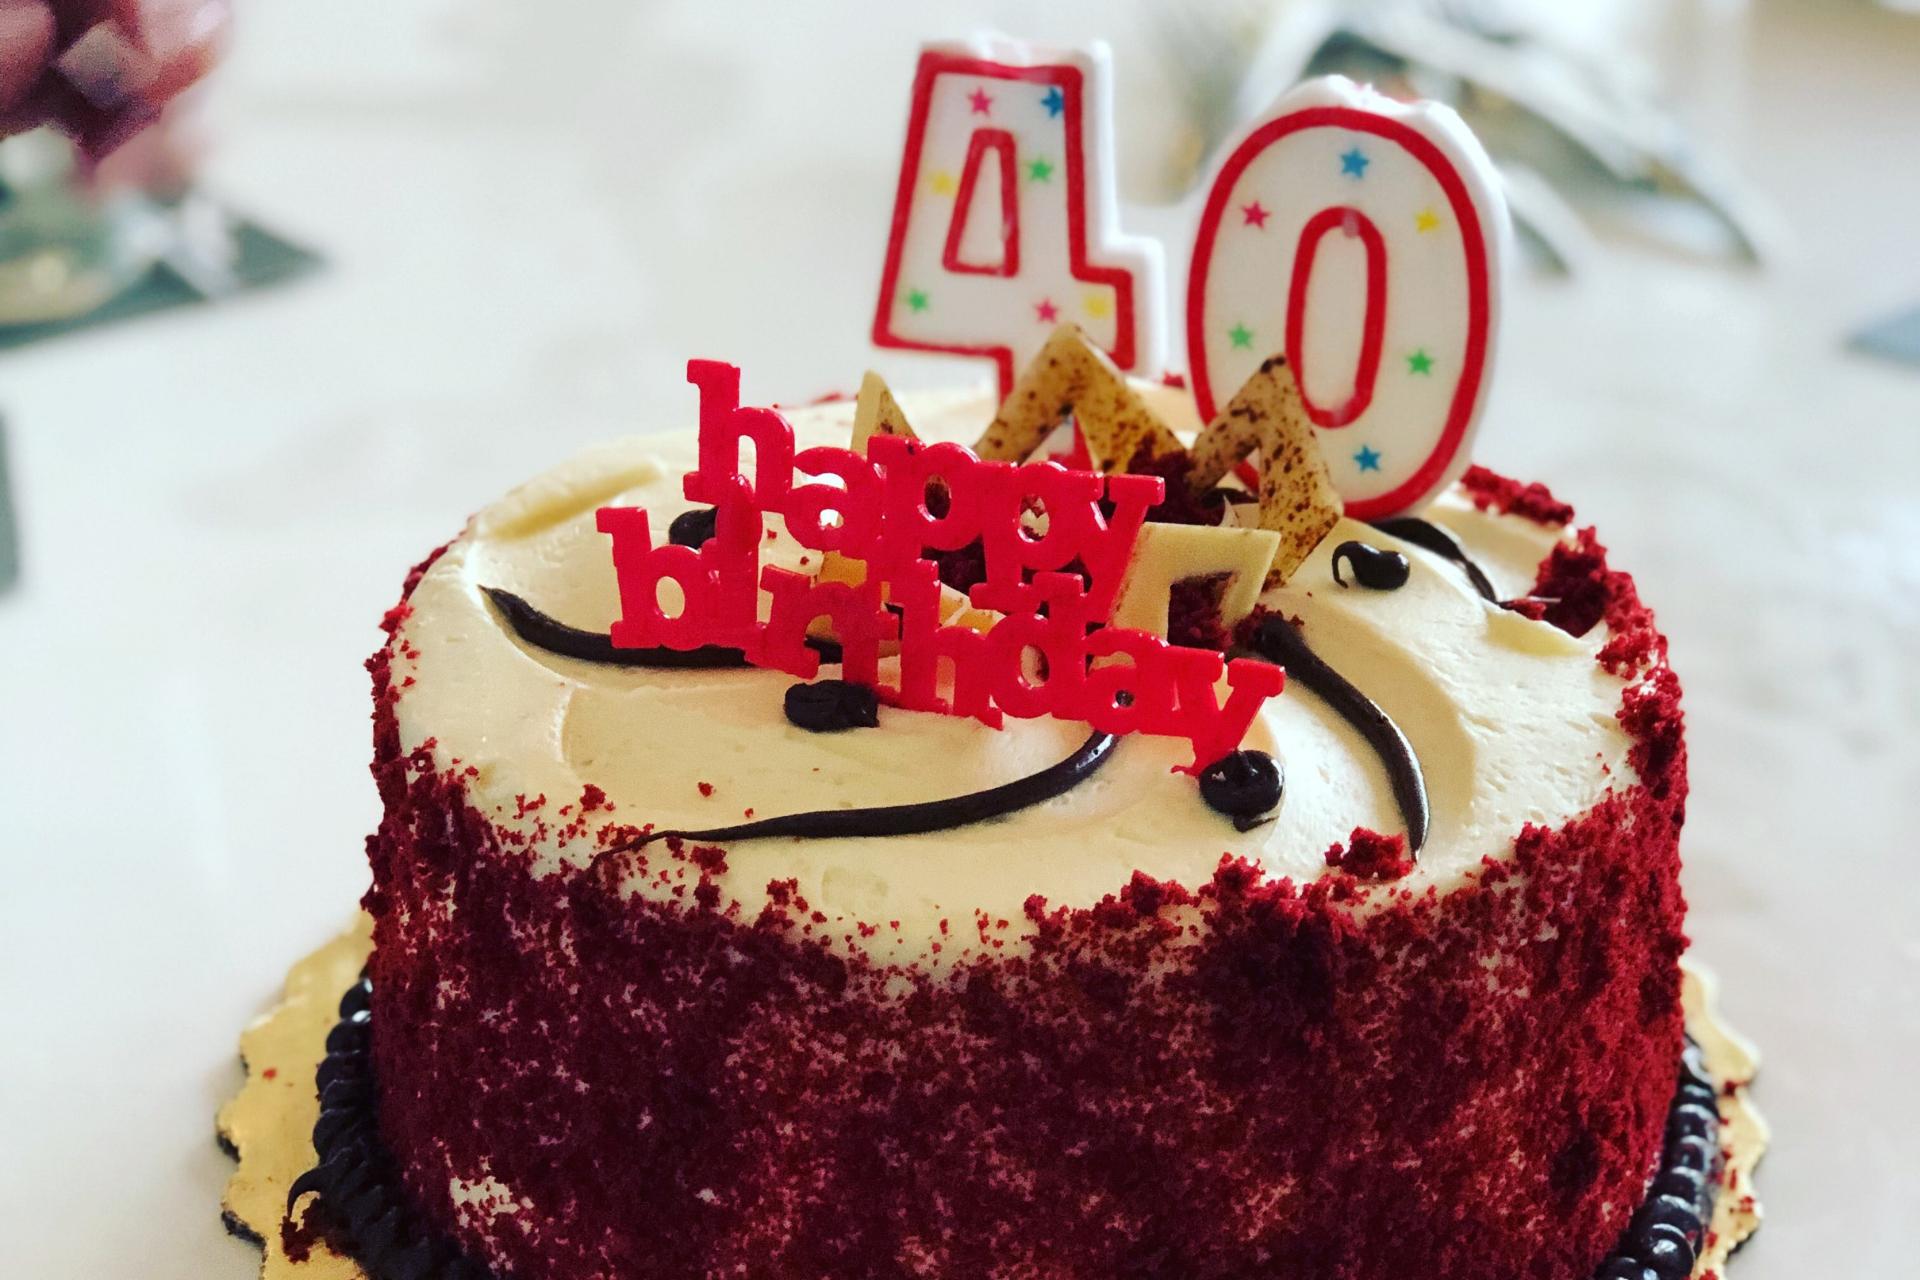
(1004, 222)
(1363, 237)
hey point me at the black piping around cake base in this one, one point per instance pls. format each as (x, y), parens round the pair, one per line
(363, 1211)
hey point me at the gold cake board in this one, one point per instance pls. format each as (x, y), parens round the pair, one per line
(268, 1125)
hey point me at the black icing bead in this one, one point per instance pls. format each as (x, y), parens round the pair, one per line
(827, 706)
(356, 999)
(1621, 1269)
(1693, 1119)
(1687, 1184)
(347, 1038)
(464, 1268)
(345, 1188)
(383, 1233)
(1692, 1153)
(340, 1064)
(1646, 1237)
(693, 528)
(346, 1095)
(1373, 567)
(337, 1128)
(1244, 785)
(415, 1262)
(1667, 1258)
(1677, 1212)
(365, 1204)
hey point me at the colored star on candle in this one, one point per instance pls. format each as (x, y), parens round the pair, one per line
(1045, 312)
(1426, 220)
(1055, 102)
(1368, 458)
(1353, 162)
(1420, 362)
(980, 101)
(1241, 336)
(916, 299)
(942, 183)
(1097, 305)
(1255, 214)
(1040, 169)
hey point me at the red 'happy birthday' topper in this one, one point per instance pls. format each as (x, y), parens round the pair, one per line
(1054, 588)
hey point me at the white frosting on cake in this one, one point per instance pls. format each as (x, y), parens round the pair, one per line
(1513, 722)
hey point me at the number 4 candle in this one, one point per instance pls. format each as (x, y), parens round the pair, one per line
(1362, 237)
(1004, 223)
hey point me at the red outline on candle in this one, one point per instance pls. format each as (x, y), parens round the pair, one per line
(1373, 326)
(1071, 82)
(983, 141)
(1473, 244)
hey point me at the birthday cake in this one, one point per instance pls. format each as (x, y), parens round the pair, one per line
(1147, 841)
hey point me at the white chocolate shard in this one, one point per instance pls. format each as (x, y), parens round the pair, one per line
(877, 413)
(1170, 553)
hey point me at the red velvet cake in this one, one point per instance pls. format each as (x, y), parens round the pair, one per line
(1421, 1019)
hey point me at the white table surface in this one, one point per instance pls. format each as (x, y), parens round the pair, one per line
(531, 227)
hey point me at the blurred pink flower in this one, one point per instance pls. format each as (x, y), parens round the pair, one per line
(101, 70)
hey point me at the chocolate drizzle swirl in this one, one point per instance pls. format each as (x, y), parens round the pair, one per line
(1431, 537)
(694, 528)
(1372, 567)
(1279, 641)
(1245, 786)
(548, 633)
(368, 1214)
(829, 706)
(912, 819)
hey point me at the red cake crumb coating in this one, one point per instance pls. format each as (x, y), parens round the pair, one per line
(1371, 856)
(1243, 1078)
(1492, 491)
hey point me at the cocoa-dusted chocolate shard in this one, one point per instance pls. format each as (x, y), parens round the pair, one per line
(1072, 375)
(1297, 497)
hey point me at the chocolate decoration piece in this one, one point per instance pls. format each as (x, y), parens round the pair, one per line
(363, 1209)
(1279, 641)
(548, 633)
(827, 706)
(694, 528)
(911, 819)
(1244, 785)
(369, 1216)
(1431, 537)
(1373, 568)
(1668, 1228)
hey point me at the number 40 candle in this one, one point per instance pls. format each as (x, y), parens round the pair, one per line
(1004, 222)
(1362, 237)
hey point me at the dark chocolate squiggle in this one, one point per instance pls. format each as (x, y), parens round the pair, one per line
(546, 632)
(913, 819)
(1279, 641)
(376, 1222)
(1372, 567)
(1431, 537)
